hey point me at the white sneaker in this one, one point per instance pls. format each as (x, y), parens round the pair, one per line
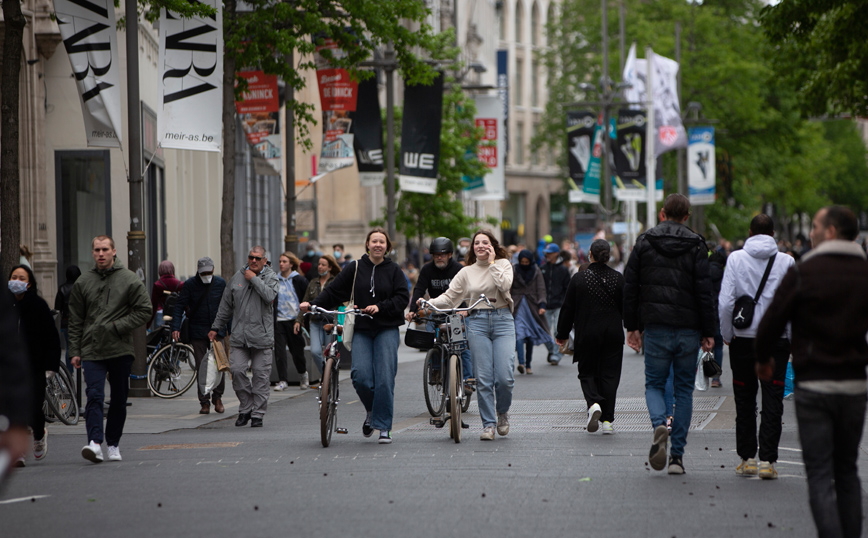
(487, 434)
(594, 413)
(40, 448)
(92, 452)
(608, 429)
(280, 386)
(114, 453)
(304, 384)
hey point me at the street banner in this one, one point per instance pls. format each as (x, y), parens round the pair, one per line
(420, 136)
(629, 149)
(259, 113)
(503, 93)
(338, 94)
(701, 167)
(191, 80)
(581, 126)
(89, 33)
(367, 128)
(489, 116)
(590, 191)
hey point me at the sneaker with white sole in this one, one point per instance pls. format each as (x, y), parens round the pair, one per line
(746, 467)
(114, 453)
(676, 465)
(657, 455)
(367, 430)
(40, 448)
(385, 437)
(608, 428)
(280, 386)
(767, 470)
(487, 434)
(594, 413)
(92, 452)
(502, 424)
(304, 384)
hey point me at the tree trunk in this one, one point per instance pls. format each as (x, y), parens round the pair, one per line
(10, 179)
(227, 251)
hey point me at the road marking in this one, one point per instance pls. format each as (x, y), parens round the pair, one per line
(791, 462)
(790, 449)
(191, 445)
(24, 499)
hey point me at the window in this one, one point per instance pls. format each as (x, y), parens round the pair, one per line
(534, 156)
(534, 83)
(518, 150)
(518, 90)
(534, 25)
(519, 22)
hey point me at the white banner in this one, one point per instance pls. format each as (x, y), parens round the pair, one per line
(489, 116)
(701, 172)
(191, 81)
(89, 34)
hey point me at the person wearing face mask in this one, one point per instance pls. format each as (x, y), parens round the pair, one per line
(37, 330)
(339, 253)
(463, 249)
(529, 293)
(199, 300)
(377, 286)
(327, 270)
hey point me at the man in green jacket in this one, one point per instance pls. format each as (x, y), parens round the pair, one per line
(105, 305)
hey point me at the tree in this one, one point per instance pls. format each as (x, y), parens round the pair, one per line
(10, 178)
(821, 49)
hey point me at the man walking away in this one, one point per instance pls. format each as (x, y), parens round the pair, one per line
(106, 304)
(667, 294)
(556, 275)
(247, 301)
(825, 297)
(745, 272)
(199, 299)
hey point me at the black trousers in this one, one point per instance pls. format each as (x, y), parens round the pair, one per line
(200, 348)
(37, 416)
(745, 383)
(285, 337)
(600, 375)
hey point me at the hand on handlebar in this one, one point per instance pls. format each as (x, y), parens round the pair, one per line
(305, 306)
(372, 309)
(176, 335)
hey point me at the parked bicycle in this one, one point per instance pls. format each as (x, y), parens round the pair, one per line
(171, 365)
(329, 388)
(443, 374)
(60, 403)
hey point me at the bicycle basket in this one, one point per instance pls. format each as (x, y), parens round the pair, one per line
(419, 339)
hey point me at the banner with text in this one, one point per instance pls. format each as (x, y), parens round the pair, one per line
(191, 80)
(259, 113)
(629, 149)
(89, 35)
(489, 116)
(581, 126)
(367, 128)
(420, 136)
(701, 165)
(337, 94)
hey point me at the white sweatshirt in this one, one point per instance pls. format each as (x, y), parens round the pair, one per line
(494, 280)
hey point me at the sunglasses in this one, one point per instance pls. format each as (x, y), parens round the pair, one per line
(254, 258)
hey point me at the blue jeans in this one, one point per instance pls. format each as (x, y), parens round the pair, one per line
(118, 370)
(674, 347)
(318, 338)
(552, 316)
(375, 363)
(669, 393)
(492, 346)
(524, 351)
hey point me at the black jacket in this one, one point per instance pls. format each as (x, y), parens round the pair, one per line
(200, 308)
(434, 281)
(15, 377)
(667, 281)
(383, 285)
(61, 300)
(39, 333)
(593, 307)
(557, 279)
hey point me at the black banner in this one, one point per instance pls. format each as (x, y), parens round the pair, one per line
(367, 127)
(420, 136)
(629, 147)
(580, 131)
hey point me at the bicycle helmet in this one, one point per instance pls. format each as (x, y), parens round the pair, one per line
(441, 245)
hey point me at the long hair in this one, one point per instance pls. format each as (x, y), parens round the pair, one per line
(379, 230)
(334, 268)
(294, 262)
(499, 251)
(31, 278)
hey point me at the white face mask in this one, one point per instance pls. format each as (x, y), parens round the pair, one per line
(324, 273)
(206, 279)
(463, 250)
(17, 287)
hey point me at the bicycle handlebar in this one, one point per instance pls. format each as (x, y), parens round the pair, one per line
(482, 298)
(314, 309)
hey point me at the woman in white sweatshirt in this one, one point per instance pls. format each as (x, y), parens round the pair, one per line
(491, 330)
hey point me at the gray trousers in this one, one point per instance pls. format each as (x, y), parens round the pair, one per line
(252, 394)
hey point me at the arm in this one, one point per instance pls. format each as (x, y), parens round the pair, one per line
(139, 308)
(51, 342)
(568, 310)
(540, 288)
(632, 290)
(266, 287)
(180, 305)
(704, 290)
(77, 315)
(726, 300)
(501, 272)
(421, 287)
(780, 311)
(394, 306)
(455, 293)
(224, 312)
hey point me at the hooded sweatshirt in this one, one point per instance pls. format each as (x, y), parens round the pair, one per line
(742, 276)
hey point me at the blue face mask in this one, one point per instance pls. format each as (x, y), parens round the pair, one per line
(17, 287)
(337, 255)
(310, 252)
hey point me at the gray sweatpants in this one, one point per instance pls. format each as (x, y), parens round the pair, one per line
(252, 394)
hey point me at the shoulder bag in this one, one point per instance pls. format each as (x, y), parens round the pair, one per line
(350, 319)
(742, 312)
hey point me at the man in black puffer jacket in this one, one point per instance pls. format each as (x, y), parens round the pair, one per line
(668, 296)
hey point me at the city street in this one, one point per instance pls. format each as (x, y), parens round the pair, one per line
(185, 474)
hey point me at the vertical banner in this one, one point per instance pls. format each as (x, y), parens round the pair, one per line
(629, 149)
(701, 176)
(259, 112)
(489, 116)
(581, 126)
(337, 94)
(420, 136)
(367, 128)
(191, 80)
(503, 93)
(89, 33)
(590, 192)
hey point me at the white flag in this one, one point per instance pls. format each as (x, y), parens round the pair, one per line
(667, 110)
(89, 35)
(191, 80)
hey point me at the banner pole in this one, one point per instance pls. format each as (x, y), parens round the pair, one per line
(390, 140)
(650, 138)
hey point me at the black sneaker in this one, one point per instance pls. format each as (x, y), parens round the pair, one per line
(676, 466)
(385, 438)
(657, 455)
(367, 430)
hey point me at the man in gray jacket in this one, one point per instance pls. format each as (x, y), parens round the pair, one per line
(248, 301)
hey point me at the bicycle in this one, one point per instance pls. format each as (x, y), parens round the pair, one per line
(329, 388)
(448, 340)
(171, 365)
(60, 403)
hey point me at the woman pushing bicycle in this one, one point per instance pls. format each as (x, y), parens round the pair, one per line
(491, 329)
(376, 285)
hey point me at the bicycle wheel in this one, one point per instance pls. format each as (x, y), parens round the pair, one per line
(432, 387)
(454, 400)
(60, 398)
(172, 371)
(328, 402)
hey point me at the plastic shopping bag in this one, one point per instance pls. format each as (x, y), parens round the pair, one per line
(701, 383)
(213, 376)
(788, 383)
